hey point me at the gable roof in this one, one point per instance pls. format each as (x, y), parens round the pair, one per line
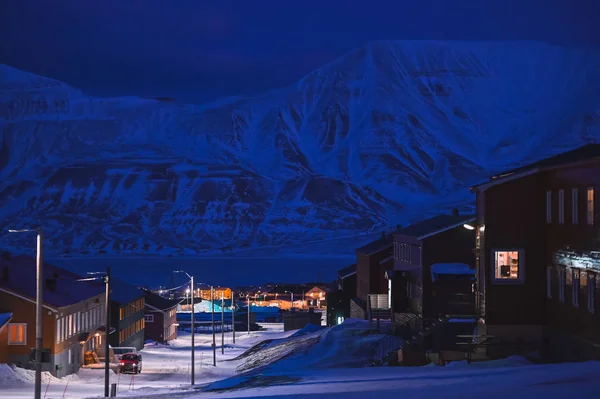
(383, 242)
(21, 273)
(347, 271)
(435, 225)
(4, 319)
(122, 293)
(157, 302)
(584, 153)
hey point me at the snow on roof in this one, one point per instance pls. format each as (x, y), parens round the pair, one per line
(451, 269)
(4, 318)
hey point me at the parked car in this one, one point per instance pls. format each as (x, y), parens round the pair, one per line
(130, 363)
(119, 351)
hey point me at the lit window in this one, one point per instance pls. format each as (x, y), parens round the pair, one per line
(548, 206)
(549, 281)
(508, 265)
(575, 205)
(17, 333)
(575, 287)
(561, 206)
(590, 205)
(561, 284)
(591, 293)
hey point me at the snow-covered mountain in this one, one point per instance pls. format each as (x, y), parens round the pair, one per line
(389, 133)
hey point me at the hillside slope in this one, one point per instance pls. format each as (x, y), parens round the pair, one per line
(389, 133)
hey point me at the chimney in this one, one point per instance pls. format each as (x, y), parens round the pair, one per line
(398, 227)
(5, 273)
(454, 211)
(51, 283)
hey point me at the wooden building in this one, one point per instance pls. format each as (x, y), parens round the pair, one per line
(160, 318)
(219, 292)
(338, 301)
(5, 318)
(316, 297)
(72, 319)
(372, 261)
(434, 267)
(127, 310)
(538, 255)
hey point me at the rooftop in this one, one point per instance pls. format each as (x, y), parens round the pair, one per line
(584, 153)
(435, 225)
(347, 271)
(158, 302)
(383, 242)
(18, 275)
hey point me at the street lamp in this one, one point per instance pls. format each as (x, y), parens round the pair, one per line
(292, 294)
(193, 323)
(106, 280)
(38, 310)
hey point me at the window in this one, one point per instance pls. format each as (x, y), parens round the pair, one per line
(561, 206)
(508, 265)
(58, 331)
(591, 293)
(70, 326)
(17, 333)
(548, 206)
(70, 356)
(575, 205)
(549, 281)
(561, 284)
(575, 287)
(590, 205)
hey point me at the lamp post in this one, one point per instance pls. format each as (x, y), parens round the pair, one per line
(292, 294)
(222, 323)
(38, 310)
(248, 303)
(106, 280)
(193, 325)
(214, 344)
(233, 315)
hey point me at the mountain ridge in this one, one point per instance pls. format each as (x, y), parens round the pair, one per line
(375, 138)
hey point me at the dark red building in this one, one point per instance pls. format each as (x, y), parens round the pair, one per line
(538, 256)
(433, 271)
(160, 316)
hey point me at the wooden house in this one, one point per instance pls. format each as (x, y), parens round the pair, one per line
(160, 318)
(127, 312)
(72, 320)
(433, 271)
(538, 256)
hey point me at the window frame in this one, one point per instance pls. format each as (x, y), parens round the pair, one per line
(508, 281)
(591, 292)
(575, 206)
(561, 206)
(24, 343)
(149, 318)
(562, 283)
(590, 206)
(575, 287)
(549, 206)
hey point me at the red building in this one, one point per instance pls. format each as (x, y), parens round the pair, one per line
(538, 256)
(160, 317)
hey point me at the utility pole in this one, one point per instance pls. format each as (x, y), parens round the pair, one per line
(214, 344)
(193, 329)
(107, 328)
(39, 300)
(248, 302)
(233, 315)
(222, 323)
(38, 317)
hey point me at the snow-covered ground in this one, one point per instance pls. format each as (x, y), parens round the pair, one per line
(166, 369)
(317, 362)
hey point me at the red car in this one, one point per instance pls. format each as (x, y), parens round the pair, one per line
(130, 363)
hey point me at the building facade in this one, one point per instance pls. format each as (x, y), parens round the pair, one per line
(127, 310)
(538, 255)
(160, 318)
(73, 314)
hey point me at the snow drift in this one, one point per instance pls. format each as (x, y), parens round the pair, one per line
(389, 133)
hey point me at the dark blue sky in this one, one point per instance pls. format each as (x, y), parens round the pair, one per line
(197, 50)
